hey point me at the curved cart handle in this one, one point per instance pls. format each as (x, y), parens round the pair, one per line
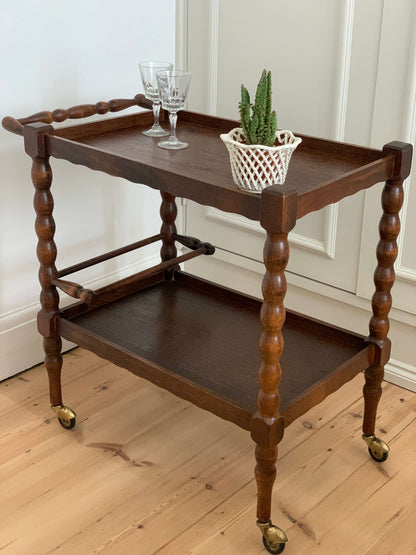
(82, 111)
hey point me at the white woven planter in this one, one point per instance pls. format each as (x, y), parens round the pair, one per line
(255, 167)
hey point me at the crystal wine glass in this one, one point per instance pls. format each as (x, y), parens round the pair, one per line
(173, 91)
(148, 73)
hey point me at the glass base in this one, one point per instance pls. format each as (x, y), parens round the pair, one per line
(156, 131)
(172, 144)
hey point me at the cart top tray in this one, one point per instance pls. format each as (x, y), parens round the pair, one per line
(320, 172)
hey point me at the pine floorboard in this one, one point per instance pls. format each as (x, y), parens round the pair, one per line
(144, 472)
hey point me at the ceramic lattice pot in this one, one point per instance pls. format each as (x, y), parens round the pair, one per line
(255, 167)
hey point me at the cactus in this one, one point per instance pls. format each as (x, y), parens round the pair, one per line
(260, 127)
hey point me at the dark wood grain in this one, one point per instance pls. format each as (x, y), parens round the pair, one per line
(110, 293)
(107, 256)
(75, 112)
(74, 290)
(168, 213)
(125, 285)
(194, 243)
(384, 276)
(201, 333)
(387, 250)
(46, 252)
(320, 172)
(267, 424)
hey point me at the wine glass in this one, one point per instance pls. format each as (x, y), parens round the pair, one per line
(148, 73)
(173, 90)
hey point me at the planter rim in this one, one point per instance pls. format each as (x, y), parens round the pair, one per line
(233, 135)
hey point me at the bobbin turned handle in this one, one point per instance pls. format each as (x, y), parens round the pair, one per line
(75, 112)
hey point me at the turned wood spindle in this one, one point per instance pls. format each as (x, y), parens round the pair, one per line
(75, 112)
(168, 213)
(276, 255)
(389, 228)
(278, 217)
(384, 275)
(46, 252)
(74, 290)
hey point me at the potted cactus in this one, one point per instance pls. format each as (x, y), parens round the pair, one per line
(259, 153)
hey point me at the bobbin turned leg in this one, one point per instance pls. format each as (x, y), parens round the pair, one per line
(379, 352)
(168, 213)
(34, 135)
(267, 426)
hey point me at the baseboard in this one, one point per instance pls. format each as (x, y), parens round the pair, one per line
(20, 342)
(401, 374)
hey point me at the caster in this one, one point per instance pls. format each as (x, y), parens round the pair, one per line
(274, 539)
(66, 416)
(378, 449)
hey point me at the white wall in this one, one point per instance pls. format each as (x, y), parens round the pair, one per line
(57, 54)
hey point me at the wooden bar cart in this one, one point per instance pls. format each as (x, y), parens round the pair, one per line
(194, 338)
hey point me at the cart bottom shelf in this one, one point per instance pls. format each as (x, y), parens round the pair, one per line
(200, 341)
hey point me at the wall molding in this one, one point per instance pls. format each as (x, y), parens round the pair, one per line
(341, 107)
(401, 374)
(330, 232)
(181, 34)
(311, 286)
(409, 133)
(407, 124)
(324, 248)
(405, 274)
(214, 22)
(344, 64)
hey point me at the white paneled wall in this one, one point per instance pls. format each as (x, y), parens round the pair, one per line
(342, 69)
(57, 55)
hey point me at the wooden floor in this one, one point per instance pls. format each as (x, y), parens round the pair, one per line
(144, 472)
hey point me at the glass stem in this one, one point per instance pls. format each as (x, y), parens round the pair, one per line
(156, 111)
(173, 118)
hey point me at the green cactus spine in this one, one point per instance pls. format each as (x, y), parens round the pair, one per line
(258, 121)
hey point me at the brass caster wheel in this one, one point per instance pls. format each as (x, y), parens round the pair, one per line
(274, 539)
(66, 416)
(378, 449)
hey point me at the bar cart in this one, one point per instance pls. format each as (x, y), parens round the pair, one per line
(227, 359)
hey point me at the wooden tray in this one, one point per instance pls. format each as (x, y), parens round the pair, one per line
(321, 171)
(200, 341)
